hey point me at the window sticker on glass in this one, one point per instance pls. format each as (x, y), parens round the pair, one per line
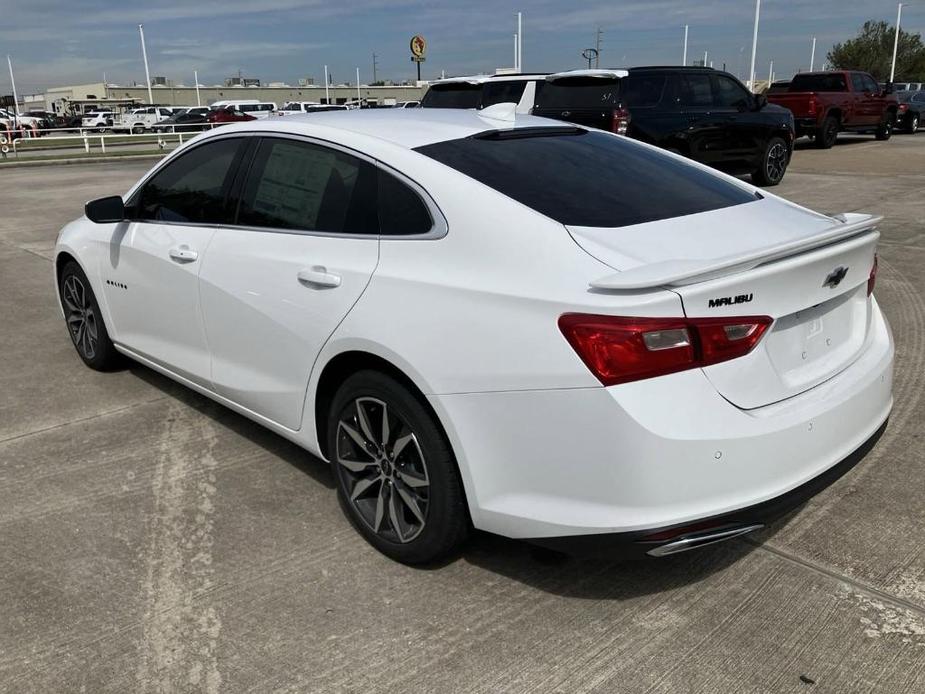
(293, 184)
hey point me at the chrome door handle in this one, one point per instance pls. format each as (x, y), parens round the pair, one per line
(318, 276)
(183, 254)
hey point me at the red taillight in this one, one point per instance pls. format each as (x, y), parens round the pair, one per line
(619, 350)
(620, 121)
(903, 108)
(872, 278)
(812, 105)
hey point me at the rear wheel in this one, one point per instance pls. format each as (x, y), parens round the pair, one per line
(827, 133)
(885, 130)
(773, 163)
(85, 320)
(137, 130)
(397, 479)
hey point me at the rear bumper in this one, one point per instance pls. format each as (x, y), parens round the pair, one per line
(805, 126)
(652, 455)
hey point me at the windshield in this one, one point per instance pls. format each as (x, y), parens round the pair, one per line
(456, 95)
(586, 177)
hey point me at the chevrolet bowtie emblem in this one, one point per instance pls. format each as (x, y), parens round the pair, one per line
(835, 277)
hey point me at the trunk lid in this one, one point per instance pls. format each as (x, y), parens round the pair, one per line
(807, 271)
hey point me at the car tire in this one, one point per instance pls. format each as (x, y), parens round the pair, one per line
(85, 320)
(774, 162)
(136, 130)
(397, 479)
(885, 129)
(913, 127)
(827, 133)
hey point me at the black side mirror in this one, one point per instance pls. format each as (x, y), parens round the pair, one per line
(105, 210)
(888, 89)
(760, 101)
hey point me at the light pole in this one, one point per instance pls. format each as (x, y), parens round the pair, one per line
(196, 80)
(684, 53)
(327, 93)
(520, 42)
(9, 61)
(899, 18)
(144, 54)
(812, 57)
(358, 86)
(771, 73)
(751, 72)
(515, 53)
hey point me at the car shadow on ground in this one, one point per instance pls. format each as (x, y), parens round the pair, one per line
(597, 578)
(805, 143)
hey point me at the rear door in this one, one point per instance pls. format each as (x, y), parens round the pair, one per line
(654, 105)
(706, 126)
(151, 275)
(277, 284)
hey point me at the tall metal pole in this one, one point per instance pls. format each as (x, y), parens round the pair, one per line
(684, 54)
(9, 61)
(812, 57)
(327, 93)
(358, 85)
(705, 54)
(520, 42)
(899, 18)
(515, 53)
(196, 80)
(374, 69)
(751, 72)
(597, 55)
(771, 73)
(144, 54)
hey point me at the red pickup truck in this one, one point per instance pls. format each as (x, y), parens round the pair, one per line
(826, 103)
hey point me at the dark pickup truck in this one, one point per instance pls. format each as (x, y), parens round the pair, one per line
(827, 103)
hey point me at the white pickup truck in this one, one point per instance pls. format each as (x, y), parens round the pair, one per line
(140, 119)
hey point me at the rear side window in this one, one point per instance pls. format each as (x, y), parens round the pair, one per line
(502, 92)
(578, 92)
(643, 91)
(831, 82)
(401, 210)
(301, 186)
(696, 91)
(459, 95)
(192, 188)
(587, 178)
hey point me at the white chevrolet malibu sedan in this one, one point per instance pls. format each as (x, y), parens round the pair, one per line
(499, 322)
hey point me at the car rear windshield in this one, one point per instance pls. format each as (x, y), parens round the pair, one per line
(587, 178)
(458, 95)
(834, 82)
(578, 92)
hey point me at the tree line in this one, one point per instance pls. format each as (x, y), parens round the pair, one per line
(872, 51)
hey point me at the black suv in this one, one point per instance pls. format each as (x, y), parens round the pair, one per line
(701, 113)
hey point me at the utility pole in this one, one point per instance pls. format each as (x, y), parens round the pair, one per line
(597, 55)
(899, 18)
(144, 54)
(684, 54)
(812, 57)
(196, 80)
(375, 65)
(751, 72)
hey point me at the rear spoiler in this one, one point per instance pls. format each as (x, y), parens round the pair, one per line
(680, 272)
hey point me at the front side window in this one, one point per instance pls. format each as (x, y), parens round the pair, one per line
(870, 85)
(857, 82)
(508, 91)
(586, 177)
(730, 94)
(302, 186)
(193, 187)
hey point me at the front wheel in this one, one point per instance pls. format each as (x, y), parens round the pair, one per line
(397, 479)
(885, 130)
(85, 320)
(913, 127)
(774, 163)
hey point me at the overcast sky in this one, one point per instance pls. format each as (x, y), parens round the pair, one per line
(62, 42)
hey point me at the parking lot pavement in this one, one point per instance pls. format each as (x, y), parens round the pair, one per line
(154, 541)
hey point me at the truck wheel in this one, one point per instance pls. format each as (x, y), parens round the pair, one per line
(913, 127)
(773, 163)
(137, 130)
(885, 131)
(827, 133)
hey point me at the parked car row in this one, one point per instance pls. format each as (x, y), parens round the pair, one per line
(704, 114)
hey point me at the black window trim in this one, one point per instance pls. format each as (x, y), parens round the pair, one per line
(439, 226)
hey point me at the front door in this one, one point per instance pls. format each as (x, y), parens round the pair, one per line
(706, 130)
(151, 276)
(275, 286)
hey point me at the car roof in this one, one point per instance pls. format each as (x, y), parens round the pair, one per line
(405, 128)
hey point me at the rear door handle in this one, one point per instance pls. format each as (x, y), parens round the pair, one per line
(318, 276)
(183, 254)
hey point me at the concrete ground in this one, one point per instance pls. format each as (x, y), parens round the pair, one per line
(151, 540)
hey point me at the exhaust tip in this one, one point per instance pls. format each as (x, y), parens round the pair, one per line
(702, 538)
